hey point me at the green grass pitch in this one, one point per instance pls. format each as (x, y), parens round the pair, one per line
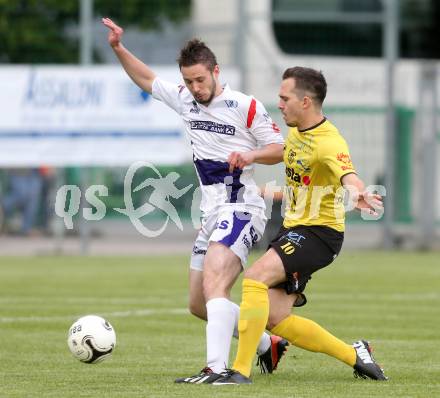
(391, 299)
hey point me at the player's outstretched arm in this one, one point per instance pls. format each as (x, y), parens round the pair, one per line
(140, 73)
(363, 200)
(269, 154)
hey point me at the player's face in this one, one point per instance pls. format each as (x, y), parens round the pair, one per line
(201, 82)
(290, 104)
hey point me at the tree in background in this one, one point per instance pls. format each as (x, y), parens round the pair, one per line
(37, 31)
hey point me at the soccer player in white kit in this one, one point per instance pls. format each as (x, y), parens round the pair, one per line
(229, 131)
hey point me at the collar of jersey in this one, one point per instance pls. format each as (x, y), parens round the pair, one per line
(313, 127)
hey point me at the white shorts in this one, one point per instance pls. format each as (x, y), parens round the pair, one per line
(235, 229)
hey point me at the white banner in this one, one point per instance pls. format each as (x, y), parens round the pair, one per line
(85, 116)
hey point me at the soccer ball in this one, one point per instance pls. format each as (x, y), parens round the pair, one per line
(91, 339)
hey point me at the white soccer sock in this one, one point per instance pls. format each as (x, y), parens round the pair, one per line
(219, 329)
(264, 344)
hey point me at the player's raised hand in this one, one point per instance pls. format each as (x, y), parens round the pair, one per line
(240, 160)
(370, 202)
(115, 32)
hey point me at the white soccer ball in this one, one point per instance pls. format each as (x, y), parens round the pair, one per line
(91, 339)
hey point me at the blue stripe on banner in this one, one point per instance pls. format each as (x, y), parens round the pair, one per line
(240, 219)
(214, 172)
(83, 134)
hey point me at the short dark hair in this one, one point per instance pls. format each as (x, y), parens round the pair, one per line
(308, 79)
(197, 52)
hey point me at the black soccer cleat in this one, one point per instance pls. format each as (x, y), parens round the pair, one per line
(231, 377)
(366, 366)
(206, 376)
(268, 361)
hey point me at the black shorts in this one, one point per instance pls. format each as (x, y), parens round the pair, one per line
(303, 251)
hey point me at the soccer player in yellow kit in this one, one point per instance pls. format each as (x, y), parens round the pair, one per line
(318, 172)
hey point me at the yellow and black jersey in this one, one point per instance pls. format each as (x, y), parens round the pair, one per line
(316, 159)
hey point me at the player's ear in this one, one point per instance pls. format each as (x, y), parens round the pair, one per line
(307, 102)
(216, 70)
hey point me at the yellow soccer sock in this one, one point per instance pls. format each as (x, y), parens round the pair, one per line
(308, 335)
(254, 312)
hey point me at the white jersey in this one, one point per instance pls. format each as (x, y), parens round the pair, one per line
(232, 122)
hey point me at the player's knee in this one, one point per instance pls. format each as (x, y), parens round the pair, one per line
(215, 283)
(274, 319)
(270, 324)
(254, 273)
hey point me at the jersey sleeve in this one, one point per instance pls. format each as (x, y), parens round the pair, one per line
(335, 155)
(168, 93)
(261, 125)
